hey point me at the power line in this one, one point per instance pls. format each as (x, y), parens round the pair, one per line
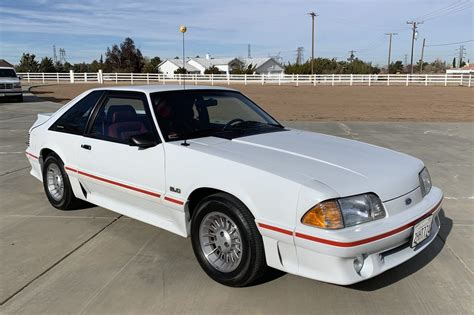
(443, 10)
(450, 12)
(447, 44)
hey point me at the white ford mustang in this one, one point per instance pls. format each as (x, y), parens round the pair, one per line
(209, 163)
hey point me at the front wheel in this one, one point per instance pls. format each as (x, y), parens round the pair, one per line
(226, 241)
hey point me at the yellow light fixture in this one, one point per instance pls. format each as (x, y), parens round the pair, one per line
(324, 215)
(183, 29)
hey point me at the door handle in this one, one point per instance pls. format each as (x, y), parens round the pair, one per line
(86, 146)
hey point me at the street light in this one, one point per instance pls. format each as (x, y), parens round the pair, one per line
(313, 15)
(183, 30)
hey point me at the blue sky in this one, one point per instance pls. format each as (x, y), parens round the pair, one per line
(224, 28)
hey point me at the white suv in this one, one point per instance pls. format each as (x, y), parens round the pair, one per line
(10, 85)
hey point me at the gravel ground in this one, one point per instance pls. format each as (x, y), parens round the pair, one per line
(340, 103)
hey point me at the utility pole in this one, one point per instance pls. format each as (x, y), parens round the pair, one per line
(389, 50)
(422, 53)
(414, 27)
(351, 56)
(313, 15)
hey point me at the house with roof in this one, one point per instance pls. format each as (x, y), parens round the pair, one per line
(266, 65)
(4, 63)
(225, 65)
(169, 66)
(467, 69)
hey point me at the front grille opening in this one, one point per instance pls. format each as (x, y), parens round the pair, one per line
(395, 250)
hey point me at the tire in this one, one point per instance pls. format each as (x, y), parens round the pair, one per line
(221, 241)
(53, 168)
(19, 98)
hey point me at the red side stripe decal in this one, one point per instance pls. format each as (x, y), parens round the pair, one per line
(143, 191)
(33, 156)
(274, 228)
(176, 201)
(120, 184)
(108, 181)
(355, 243)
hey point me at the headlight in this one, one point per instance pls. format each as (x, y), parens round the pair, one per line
(345, 212)
(361, 209)
(425, 181)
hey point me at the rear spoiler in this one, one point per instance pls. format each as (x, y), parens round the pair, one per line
(41, 119)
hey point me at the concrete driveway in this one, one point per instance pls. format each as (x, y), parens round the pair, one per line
(95, 261)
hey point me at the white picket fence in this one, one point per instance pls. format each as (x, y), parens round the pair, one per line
(261, 79)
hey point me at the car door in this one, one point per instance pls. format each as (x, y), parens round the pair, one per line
(124, 178)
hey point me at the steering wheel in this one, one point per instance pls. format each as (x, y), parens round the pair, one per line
(233, 121)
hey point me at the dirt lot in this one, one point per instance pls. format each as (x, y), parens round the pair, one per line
(341, 103)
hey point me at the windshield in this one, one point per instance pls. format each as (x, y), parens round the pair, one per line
(7, 73)
(188, 114)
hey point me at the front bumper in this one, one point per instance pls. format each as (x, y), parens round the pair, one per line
(384, 244)
(11, 92)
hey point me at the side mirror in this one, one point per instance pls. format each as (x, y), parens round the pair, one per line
(143, 141)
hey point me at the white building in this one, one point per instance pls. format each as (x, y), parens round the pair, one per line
(467, 69)
(169, 66)
(266, 65)
(225, 65)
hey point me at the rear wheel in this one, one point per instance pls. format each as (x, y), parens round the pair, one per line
(226, 241)
(56, 184)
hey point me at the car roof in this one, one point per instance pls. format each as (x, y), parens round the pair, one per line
(162, 88)
(11, 68)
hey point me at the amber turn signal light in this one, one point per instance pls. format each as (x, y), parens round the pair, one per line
(324, 215)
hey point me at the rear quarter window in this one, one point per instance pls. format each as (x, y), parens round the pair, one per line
(74, 121)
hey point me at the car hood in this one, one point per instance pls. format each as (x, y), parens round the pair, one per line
(349, 167)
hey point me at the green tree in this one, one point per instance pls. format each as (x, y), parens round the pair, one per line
(94, 66)
(396, 67)
(46, 65)
(80, 67)
(244, 69)
(126, 58)
(151, 65)
(329, 66)
(27, 63)
(212, 70)
(437, 66)
(67, 66)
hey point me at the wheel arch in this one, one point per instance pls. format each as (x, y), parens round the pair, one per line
(198, 194)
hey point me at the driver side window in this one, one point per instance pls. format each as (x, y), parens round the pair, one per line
(119, 118)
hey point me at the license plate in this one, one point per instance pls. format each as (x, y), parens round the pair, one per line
(421, 231)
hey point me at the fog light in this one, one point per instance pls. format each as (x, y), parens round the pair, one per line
(359, 263)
